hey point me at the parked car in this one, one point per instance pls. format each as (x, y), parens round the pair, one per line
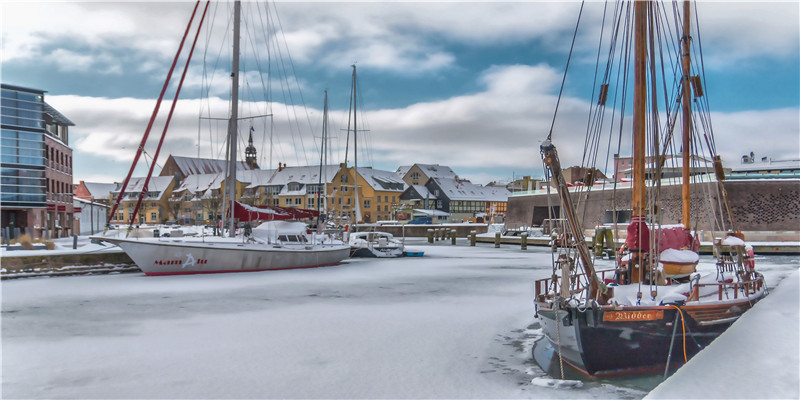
(419, 220)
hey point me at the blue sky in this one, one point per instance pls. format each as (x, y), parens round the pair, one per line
(471, 85)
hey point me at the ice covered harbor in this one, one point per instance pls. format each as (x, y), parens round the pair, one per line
(456, 323)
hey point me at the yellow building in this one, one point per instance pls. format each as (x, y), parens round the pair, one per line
(154, 208)
(378, 194)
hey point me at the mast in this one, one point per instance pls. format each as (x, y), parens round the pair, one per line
(233, 121)
(686, 107)
(321, 185)
(355, 151)
(639, 108)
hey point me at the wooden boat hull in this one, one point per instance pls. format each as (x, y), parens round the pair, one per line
(173, 257)
(604, 341)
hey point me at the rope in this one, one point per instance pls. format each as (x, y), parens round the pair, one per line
(683, 325)
(564, 78)
(558, 335)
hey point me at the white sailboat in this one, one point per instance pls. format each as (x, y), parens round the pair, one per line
(286, 247)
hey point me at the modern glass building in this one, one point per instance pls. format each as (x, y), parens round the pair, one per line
(22, 178)
(31, 176)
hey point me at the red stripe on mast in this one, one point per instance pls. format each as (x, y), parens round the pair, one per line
(152, 117)
(169, 117)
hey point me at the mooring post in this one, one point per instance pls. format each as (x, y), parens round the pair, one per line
(523, 243)
(430, 235)
(453, 237)
(496, 239)
(472, 238)
(74, 242)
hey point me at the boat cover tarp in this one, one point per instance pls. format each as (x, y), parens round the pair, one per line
(246, 213)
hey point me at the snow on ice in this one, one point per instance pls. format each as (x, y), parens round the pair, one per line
(456, 323)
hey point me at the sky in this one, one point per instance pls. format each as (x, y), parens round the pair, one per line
(470, 85)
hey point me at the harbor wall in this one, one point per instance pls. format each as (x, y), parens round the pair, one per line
(758, 205)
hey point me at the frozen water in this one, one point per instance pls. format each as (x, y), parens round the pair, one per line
(456, 323)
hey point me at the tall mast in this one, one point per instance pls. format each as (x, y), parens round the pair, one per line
(686, 106)
(639, 108)
(355, 150)
(323, 186)
(233, 121)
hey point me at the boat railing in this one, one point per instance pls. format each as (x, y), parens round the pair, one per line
(750, 284)
(548, 288)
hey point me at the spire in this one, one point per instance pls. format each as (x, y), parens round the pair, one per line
(250, 152)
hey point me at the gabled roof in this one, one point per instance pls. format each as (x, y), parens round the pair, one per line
(436, 170)
(421, 192)
(100, 190)
(403, 170)
(201, 182)
(192, 166)
(255, 178)
(305, 175)
(382, 180)
(460, 190)
(156, 184)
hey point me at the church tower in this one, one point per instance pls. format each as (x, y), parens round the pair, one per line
(250, 152)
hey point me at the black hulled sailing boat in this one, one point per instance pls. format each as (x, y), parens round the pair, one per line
(653, 307)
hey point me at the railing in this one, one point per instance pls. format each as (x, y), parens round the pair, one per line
(750, 284)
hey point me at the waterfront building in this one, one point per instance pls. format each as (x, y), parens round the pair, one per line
(419, 174)
(36, 165)
(378, 194)
(154, 208)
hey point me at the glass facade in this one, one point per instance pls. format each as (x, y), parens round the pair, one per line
(22, 154)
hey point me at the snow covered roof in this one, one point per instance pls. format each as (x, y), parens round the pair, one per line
(201, 182)
(768, 166)
(156, 184)
(305, 175)
(423, 192)
(382, 180)
(100, 190)
(433, 213)
(191, 165)
(459, 190)
(436, 170)
(403, 170)
(256, 177)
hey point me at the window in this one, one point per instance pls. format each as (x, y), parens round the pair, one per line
(298, 201)
(367, 203)
(152, 217)
(288, 201)
(385, 199)
(394, 199)
(344, 178)
(385, 208)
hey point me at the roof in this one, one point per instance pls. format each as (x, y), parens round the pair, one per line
(382, 180)
(436, 170)
(201, 182)
(21, 88)
(766, 166)
(57, 116)
(403, 170)
(100, 190)
(191, 165)
(459, 190)
(156, 184)
(255, 177)
(305, 175)
(89, 203)
(423, 192)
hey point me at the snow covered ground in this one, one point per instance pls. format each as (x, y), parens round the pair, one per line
(456, 323)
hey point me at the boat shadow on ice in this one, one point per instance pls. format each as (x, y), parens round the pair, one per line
(530, 361)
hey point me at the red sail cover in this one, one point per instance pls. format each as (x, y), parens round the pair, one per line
(638, 235)
(245, 213)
